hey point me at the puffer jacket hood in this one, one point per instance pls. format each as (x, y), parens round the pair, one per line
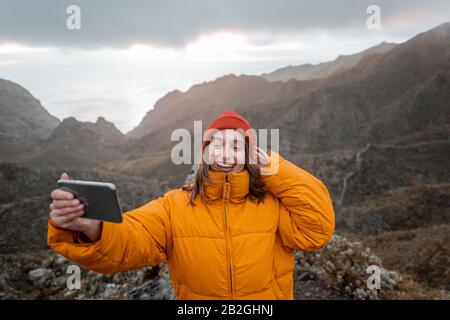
(229, 248)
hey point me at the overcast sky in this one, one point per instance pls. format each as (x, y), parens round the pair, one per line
(128, 54)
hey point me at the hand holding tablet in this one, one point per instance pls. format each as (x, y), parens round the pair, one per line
(82, 205)
(99, 199)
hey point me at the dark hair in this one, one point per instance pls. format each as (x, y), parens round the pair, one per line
(257, 189)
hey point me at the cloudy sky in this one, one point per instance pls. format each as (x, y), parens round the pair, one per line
(128, 54)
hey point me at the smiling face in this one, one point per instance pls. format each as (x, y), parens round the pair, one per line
(226, 151)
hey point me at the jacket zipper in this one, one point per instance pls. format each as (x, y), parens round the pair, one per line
(227, 239)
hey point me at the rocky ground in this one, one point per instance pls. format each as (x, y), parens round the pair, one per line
(29, 270)
(337, 272)
(423, 253)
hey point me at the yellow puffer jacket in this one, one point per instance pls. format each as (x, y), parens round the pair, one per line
(231, 248)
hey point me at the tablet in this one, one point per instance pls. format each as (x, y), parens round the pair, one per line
(100, 199)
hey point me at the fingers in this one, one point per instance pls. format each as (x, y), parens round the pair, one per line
(58, 204)
(263, 152)
(253, 156)
(263, 156)
(260, 157)
(65, 208)
(65, 211)
(59, 194)
(64, 221)
(64, 176)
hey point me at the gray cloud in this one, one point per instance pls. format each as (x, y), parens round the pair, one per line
(173, 23)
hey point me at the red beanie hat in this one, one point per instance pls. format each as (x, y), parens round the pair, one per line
(228, 120)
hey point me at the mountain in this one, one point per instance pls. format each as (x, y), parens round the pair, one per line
(325, 69)
(383, 98)
(150, 151)
(79, 144)
(23, 120)
(204, 99)
(386, 97)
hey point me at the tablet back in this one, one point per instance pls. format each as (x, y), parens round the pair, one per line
(100, 198)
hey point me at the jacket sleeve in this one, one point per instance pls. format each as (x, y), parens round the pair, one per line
(141, 239)
(306, 219)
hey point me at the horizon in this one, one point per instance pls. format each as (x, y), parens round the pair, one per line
(105, 73)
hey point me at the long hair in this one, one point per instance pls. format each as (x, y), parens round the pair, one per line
(257, 189)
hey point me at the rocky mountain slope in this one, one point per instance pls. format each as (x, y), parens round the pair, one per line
(23, 120)
(325, 69)
(80, 144)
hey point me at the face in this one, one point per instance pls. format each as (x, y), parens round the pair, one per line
(226, 151)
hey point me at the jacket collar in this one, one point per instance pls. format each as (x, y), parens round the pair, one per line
(233, 187)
